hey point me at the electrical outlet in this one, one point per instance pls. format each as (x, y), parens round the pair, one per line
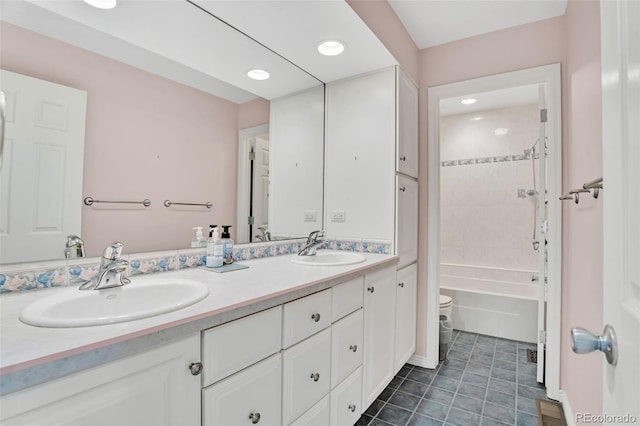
(338, 216)
(310, 216)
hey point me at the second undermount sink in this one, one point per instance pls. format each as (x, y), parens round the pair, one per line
(144, 297)
(329, 258)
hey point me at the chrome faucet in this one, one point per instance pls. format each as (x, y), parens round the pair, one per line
(112, 270)
(74, 247)
(265, 235)
(313, 244)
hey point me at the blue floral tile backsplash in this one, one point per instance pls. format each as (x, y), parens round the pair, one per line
(17, 278)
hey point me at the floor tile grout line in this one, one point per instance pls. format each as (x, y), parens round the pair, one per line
(459, 382)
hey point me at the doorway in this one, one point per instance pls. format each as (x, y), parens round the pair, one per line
(473, 178)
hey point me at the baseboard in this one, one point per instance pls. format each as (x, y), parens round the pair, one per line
(568, 413)
(419, 360)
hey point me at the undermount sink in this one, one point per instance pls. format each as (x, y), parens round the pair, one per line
(144, 297)
(329, 258)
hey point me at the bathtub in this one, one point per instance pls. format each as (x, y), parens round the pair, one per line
(491, 301)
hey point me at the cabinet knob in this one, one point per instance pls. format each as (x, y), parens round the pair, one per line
(371, 289)
(352, 408)
(403, 188)
(315, 376)
(254, 417)
(401, 285)
(403, 158)
(353, 348)
(315, 317)
(195, 368)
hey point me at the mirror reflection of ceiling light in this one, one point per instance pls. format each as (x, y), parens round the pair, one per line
(258, 74)
(468, 101)
(501, 131)
(331, 48)
(478, 118)
(102, 4)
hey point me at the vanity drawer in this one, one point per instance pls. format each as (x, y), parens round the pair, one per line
(306, 376)
(318, 415)
(306, 316)
(346, 346)
(233, 346)
(250, 396)
(345, 400)
(347, 297)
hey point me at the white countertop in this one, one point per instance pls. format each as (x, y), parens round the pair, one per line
(267, 282)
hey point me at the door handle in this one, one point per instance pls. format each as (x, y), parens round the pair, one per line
(583, 342)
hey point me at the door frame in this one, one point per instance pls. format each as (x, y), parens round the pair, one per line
(244, 178)
(549, 75)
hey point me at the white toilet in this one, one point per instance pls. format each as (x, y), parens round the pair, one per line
(446, 305)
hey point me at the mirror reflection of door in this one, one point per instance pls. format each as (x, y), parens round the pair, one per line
(259, 194)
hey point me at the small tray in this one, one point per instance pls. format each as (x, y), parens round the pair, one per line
(225, 268)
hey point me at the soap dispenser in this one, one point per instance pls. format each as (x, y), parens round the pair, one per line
(198, 240)
(228, 245)
(214, 248)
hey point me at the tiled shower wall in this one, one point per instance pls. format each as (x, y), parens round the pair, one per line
(483, 221)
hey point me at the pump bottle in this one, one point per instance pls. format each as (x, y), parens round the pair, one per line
(228, 245)
(214, 248)
(198, 239)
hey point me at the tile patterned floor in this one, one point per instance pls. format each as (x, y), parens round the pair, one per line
(484, 381)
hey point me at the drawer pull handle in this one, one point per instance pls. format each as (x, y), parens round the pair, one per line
(254, 417)
(352, 408)
(353, 348)
(315, 376)
(315, 317)
(403, 158)
(401, 285)
(195, 368)
(371, 289)
(403, 188)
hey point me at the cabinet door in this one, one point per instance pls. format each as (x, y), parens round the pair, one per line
(379, 333)
(306, 374)
(359, 159)
(152, 388)
(346, 346)
(250, 396)
(407, 156)
(345, 400)
(407, 218)
(406, 314)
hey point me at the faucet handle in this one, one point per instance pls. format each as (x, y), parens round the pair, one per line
(114, 251)
(313, 236)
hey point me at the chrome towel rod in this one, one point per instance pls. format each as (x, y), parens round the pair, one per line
(88, 201)
(168, 203)
(574, 194)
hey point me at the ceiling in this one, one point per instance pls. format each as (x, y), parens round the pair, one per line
(434, 22)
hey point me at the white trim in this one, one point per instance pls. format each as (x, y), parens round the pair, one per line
(549, 75)
(418, 360)
(566, 407)
(242, 234)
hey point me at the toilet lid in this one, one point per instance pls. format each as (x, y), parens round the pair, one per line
(445, 300)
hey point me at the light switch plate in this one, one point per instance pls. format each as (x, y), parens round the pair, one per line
(310, 216)
(338, 216)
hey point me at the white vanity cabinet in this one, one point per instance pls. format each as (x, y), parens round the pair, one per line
(406, 306)
(407, 221)
(152, 388)
(379, 333)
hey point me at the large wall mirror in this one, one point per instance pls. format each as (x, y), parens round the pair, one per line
(164, 94)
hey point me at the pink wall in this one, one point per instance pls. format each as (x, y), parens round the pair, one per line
(163, 139)
(253, 113)
(385, 24)
(582, 274)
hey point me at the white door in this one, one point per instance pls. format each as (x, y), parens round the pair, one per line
(41, 175)
(620, 32)
(540, 238)
(260, 192)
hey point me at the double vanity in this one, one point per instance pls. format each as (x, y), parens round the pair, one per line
(278, 343)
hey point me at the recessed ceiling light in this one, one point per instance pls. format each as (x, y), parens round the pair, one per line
(478, 118)
(468, 101)
(102, 4)
(258, 74)
(501, 131)
(331, 48)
